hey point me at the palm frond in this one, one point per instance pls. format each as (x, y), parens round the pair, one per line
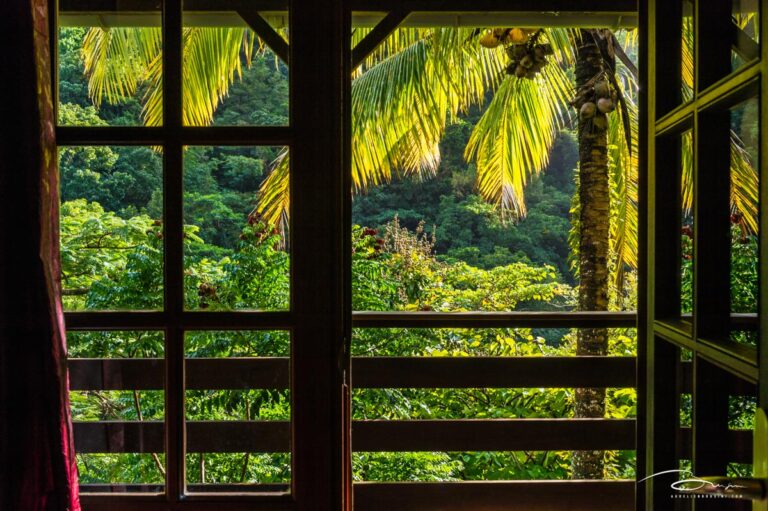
(745, 187)
(117, 60)
(624, 199)
(274, 193)
(512, 140)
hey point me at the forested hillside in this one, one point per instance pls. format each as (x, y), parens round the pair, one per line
(419, 244)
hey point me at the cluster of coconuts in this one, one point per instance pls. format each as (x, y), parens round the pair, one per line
(527, 58)
(493, 37)
(596, 102)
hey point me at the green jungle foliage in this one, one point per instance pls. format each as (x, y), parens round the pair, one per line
(418, 246)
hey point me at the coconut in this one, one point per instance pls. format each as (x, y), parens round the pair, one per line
(526, 62)
(489, 39)
(520, 72)
(531, 74)
(587, 110)
(605, 105)
(602, 90)
(517, 36)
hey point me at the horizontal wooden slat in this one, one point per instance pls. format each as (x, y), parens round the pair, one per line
(237, 373)
(417, 496)
(142, 135)
(241, 502)
(492, 372)
(88, 320)
(377, 435)
(496, 496)
(367, 372)
(238, 436)
(191, 488)
(202, 436)
(192, 320)
(493, 435)
(493, 319)
(626, 7)
(116, 373)
(116, 437)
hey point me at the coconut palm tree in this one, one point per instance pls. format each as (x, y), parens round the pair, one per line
(416, 83)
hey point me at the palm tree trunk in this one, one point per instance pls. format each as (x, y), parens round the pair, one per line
(593, 247)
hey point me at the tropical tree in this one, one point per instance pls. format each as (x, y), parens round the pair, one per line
(420, 80)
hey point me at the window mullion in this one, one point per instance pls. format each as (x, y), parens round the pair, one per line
(174, 250)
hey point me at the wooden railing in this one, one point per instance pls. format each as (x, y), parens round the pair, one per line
(405, 435)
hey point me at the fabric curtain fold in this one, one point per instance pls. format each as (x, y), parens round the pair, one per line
(37, 462)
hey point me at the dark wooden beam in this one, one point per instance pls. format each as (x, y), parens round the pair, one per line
(493, 435)
(410, 496)
(369, 435)
(192, 502)
(243, 320)
(492, 372)
(265, 31)
(375, 37)
(626, 7)
(572, 319)
(495, 496)
(191, 488)
(367, 372)
(618, 6)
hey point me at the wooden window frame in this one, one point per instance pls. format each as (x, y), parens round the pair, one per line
(718, 366)
(320, 317)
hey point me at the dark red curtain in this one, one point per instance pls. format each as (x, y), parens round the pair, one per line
(37, 468)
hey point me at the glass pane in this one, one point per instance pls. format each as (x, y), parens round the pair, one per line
(234, 68)
(452, 211)
(118, 408)
(687, 51)
(111, 233)
(746, 18)
(238, 411)
(433, 374)
(687, 220)
(110, 66)
(235, 256)
(745, 150)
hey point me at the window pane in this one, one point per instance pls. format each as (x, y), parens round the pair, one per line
(467, 200)
(235, 256)
(110, 67)
(118, 409)
(745, 141)
(687, 51)
(110, 224)
(686, 238)
(234, 69)
(238, 411)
